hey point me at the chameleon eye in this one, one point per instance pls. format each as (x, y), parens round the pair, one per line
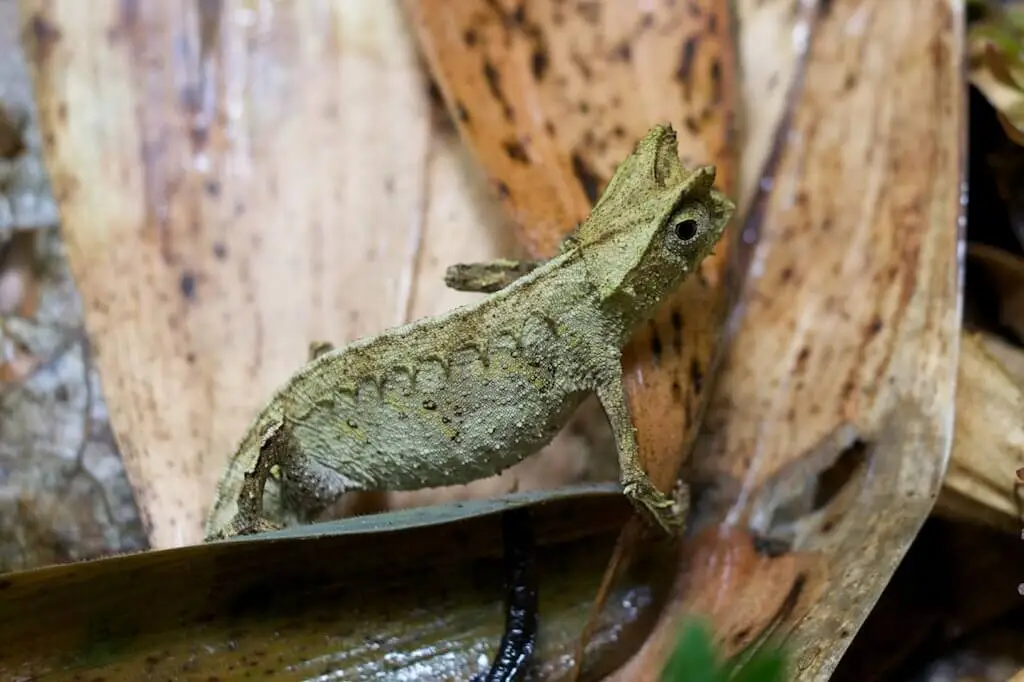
(686, 229)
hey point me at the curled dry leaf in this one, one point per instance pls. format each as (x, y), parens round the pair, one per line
(429, 595)
(279, 180)
(996, 66)
(988, 442)
(1010, 356)
(831, 425)
(1005, 272)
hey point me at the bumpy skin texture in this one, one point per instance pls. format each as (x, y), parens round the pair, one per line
(465, 395)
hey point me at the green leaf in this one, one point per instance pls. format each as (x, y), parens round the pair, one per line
(694, 658)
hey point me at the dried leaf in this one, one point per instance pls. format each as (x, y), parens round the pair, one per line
(996, 64)
(282, 604)
(279, 181)
(1009, 356)
(831, 425)
(550, 98)
(1005, 272)
(988, 442)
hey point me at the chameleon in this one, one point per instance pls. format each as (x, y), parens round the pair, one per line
(468, 393)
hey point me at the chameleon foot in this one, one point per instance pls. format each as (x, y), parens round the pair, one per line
(257, 526)
(656, 506)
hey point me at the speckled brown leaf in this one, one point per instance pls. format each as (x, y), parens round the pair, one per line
(831, 425)
(988, 443)
(550, 96)
(1004, 273)
(236, 182)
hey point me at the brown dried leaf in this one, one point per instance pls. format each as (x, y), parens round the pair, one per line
(850, 328)
(988, 441)
(1005, 272)
(550, 97)
(1010, 356)
(279, 180)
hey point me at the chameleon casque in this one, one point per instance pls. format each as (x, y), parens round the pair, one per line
(466, 394)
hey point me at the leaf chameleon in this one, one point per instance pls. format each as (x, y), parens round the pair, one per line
(464, 395)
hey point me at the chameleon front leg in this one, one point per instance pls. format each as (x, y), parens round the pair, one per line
(636, 485)
(495, 275)
(488, 277)
(318, 348)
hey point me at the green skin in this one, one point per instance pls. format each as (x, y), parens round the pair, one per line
(464, 395)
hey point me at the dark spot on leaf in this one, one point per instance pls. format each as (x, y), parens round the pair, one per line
(684, 71)
(589, 11)
(582, 66)
(786, 274)
(848, 388)
(461, 113)
(190, 358)
(429, 405)
(515, 151)
(623, 52)
(502, 189)
(677, 392)
(716, 82)
(469, 37)
(656, 348)
(691, 125)
(677, 321)
(802, 357)
(587, 178)
(45, 36)
(539, 63)
(187, 284)
(493, 78)
(875, 326)
(740, 636)
(696, 374)
(677, 331)
(220, 250)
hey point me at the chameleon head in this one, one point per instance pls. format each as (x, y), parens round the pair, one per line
(652, 226)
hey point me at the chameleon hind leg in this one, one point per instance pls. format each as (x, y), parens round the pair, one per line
(304, 489)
